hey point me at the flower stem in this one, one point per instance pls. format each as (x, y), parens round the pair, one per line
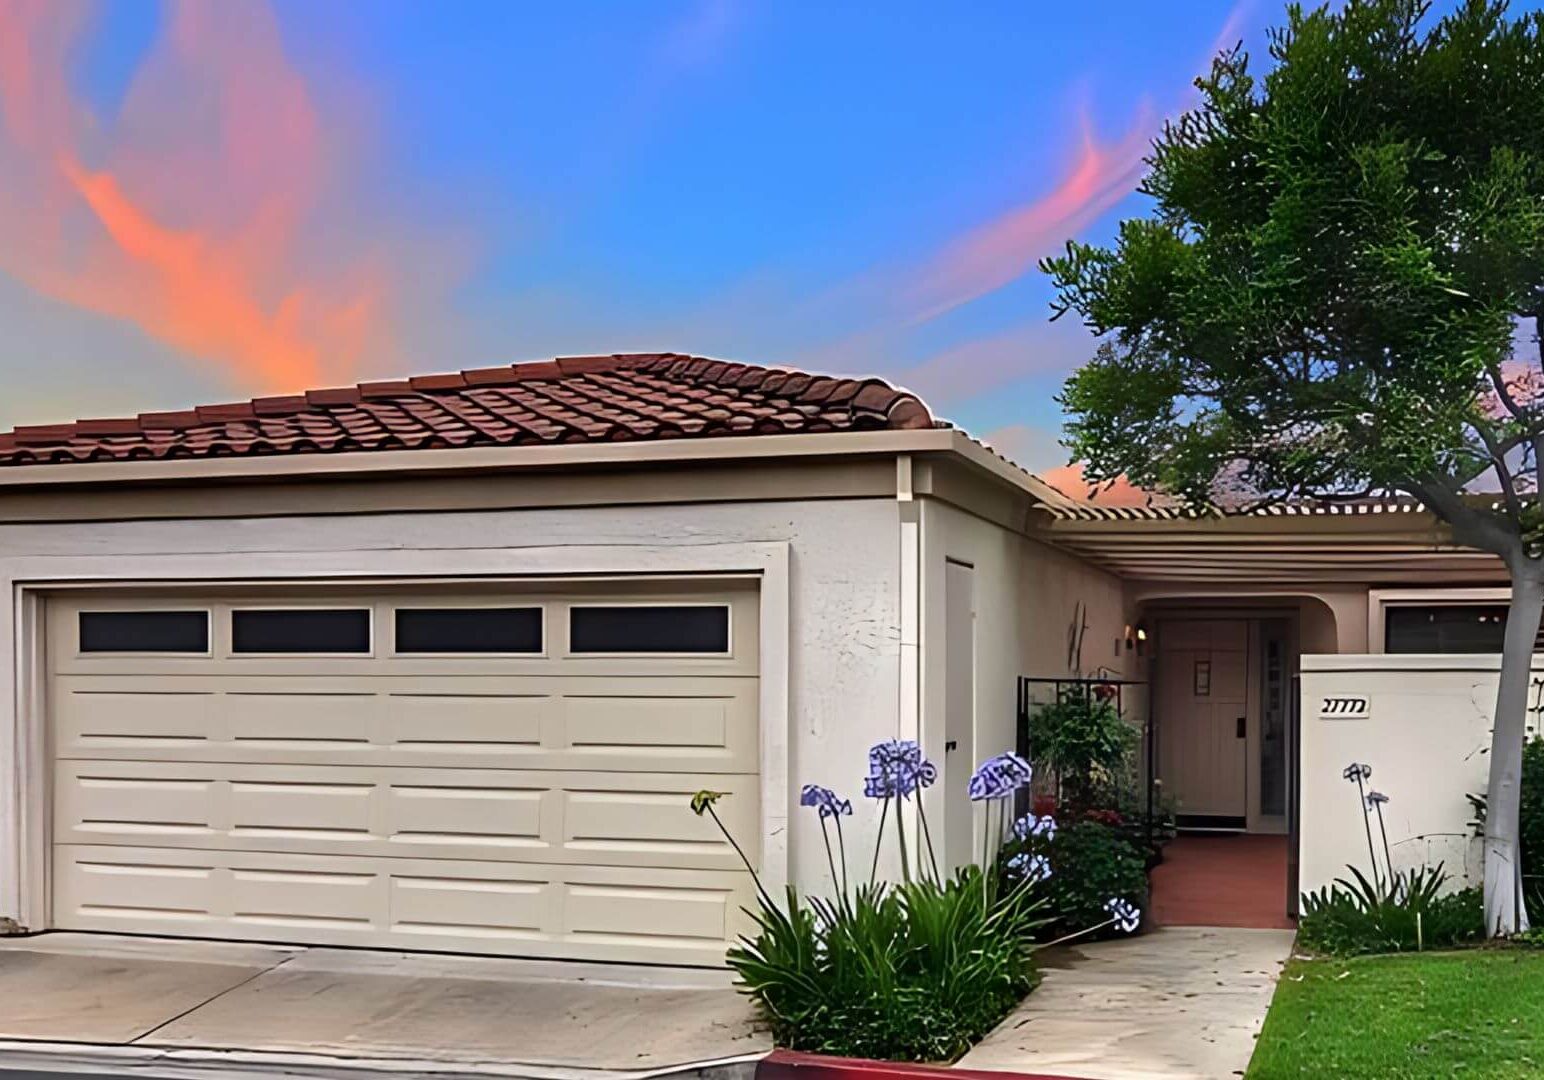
(841, 845)
(760, 888)
(927, 834)
(879, 837)
(1388, 862)
(900, 832)
(1372, 855)
(830, 860)
(1076, 934)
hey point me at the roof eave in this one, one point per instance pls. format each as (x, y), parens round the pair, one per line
(384, 463)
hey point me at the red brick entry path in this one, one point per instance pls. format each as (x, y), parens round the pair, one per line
(1222, 880)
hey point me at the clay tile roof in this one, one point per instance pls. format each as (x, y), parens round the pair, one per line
(570, 399)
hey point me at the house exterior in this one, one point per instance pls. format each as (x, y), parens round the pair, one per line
(437, 663)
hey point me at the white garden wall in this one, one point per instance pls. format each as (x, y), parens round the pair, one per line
(1423, 723)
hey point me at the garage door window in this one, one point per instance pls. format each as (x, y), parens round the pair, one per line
(300, 630)
(144, 631)
(469, 630)
(646, 628)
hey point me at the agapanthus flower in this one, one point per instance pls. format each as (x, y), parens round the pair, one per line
(999, 777)
(1032, 868)
(825, 801)
(1355, 771)
(1376, 799)
(1127, 916)
(1035, 825)
(897, 768)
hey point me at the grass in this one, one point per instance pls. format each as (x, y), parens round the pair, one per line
(1476, 1013)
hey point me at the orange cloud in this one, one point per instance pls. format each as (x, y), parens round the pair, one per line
(1068, 479)
(193, 214)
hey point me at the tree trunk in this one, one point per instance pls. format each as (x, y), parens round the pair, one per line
(1504, 912)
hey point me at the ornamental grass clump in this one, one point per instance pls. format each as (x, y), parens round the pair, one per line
(912, 971)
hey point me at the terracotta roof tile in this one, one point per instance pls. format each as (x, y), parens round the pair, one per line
(571, 399)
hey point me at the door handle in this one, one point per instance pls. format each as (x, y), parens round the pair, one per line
(1241, 724)
(951, 746)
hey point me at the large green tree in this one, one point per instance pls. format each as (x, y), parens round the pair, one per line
(1338, 293)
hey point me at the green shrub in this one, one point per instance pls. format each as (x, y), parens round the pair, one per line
(1090, 861)
(915, 972)
(1083, 741)
(1402, 915)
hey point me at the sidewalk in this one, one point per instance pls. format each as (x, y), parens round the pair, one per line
(1175, 1002)
(157, 1007)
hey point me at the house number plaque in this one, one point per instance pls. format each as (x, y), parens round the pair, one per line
(1345, 707)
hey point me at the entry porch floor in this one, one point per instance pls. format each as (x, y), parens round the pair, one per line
(172, 1008)
(1222, 879)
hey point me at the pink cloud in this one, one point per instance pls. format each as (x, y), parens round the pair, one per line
(1005, 248)
(195, 215)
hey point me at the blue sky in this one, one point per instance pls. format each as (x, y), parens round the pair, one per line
(242, 198)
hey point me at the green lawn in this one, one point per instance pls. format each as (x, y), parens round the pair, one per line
(1477, 1013)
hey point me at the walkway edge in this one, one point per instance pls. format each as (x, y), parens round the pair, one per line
(187, 1064)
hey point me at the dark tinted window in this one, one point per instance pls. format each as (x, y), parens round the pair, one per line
(1456, 628)
(144, 631)
(300, 630)
(469, 630)
(664, 629)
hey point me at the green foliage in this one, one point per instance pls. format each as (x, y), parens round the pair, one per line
(1531, 817)
(917, 972)
(1427, 1016)
(1323, 298)
(1081, 739)
(1531, 825)
(1091, 861)
(1410, 912)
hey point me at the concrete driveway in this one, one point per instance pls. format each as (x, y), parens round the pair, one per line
(169, 1008)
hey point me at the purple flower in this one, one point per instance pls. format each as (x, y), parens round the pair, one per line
(824, 800)
(1355, 771)
(1032, 868)
(897, 769)
(1127, 917)
(1034, 825)
(999, 777)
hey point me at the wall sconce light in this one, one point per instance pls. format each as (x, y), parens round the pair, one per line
(1137, 639)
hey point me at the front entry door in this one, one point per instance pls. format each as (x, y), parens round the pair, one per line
(1203, 719)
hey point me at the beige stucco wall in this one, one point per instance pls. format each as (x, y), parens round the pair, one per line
(1028, 597)
(1426, 735)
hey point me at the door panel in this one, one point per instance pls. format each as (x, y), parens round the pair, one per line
(1203, 693)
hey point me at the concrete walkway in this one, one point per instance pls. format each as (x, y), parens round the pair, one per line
(168, 1008)
(1175, 1002)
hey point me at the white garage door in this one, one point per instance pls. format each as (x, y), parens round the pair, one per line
(498, 769)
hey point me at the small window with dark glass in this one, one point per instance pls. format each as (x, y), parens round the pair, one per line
(300, 630)
(1444, 628)
(665, 628)
(469, 630)
(144, 631)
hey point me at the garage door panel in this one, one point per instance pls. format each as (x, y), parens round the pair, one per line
(614, 913)
(622, 819)
(449, 722)
(298, 808)
(130, 717)
(303, 721)
(664, 724)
